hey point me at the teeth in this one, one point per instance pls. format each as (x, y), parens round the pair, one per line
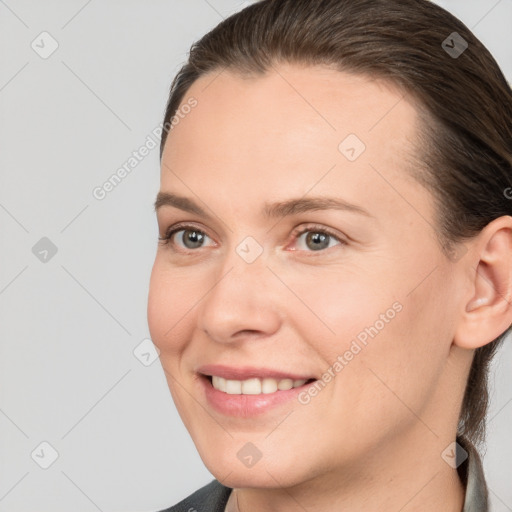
(219, 383)
(285, 384)
(254, 386)
(269, 385)
(233, 387)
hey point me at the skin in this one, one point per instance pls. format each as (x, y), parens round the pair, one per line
(372, 438)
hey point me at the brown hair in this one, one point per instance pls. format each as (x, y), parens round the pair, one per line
(464, 150)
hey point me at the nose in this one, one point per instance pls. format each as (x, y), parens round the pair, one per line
(244, 302)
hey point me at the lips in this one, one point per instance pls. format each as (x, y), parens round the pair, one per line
(249, 391)
(245, 398)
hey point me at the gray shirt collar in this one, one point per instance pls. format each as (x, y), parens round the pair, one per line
(472, 475)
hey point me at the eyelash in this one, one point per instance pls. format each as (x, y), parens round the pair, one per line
(166, 239)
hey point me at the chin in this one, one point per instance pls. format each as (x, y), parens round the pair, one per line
(256, 479)
(227, 468)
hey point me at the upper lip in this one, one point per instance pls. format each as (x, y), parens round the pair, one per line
(248, 372)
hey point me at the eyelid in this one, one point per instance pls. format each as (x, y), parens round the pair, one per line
(180, 226)
(296, 233)
(317, 228)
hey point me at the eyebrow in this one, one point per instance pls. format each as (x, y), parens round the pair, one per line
(270, 210)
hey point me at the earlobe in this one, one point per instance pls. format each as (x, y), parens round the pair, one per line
(488, 312)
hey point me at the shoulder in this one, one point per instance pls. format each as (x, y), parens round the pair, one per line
(210, 498)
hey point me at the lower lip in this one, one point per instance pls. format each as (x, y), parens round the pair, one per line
(247, 406)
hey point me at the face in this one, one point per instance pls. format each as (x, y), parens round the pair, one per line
(303, 254)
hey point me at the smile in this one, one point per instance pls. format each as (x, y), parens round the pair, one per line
(249, 391)
(254, 386)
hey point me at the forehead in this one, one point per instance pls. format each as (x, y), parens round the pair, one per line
(286, 130)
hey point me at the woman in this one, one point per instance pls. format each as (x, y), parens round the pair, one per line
(334, 273)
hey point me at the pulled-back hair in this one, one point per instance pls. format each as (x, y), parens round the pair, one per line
(463, 152)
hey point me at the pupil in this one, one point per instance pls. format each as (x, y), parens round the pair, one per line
(195, 239)
(320, 240)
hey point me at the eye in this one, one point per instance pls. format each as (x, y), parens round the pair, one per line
(309, 238)
(316, 238)
(186, 237)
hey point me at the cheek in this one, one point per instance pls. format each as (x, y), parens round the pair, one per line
(389, 340)
(401, 367)
(168, 304)
(342, 306)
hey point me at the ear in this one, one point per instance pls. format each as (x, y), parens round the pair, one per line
(487, 309)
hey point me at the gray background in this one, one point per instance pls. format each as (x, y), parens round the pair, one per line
(69, 325)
